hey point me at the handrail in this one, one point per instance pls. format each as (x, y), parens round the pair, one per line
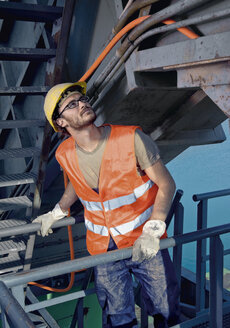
(48, 271)
(34, 227)
(213, 194)
(13, 310)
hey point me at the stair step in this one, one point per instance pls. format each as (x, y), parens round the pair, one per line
(26, 54)
(10, 263)
(33, 90)
(9, 223)
(19, 152)
(12, 124)
(11, 246)
(8, 204)
(29, 12)
(17, 179)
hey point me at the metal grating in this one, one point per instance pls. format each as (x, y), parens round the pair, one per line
(11, 223)
(30, 90)
(19, 152)
(8, 246)
(17, 179)
(11, 124)
(10, 263)
(7, 204)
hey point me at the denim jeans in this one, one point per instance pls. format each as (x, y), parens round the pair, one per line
(159, 288)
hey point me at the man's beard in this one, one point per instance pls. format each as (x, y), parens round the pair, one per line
(84, 121)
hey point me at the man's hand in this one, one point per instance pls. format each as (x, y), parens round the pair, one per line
(148, 244)
(48, 219)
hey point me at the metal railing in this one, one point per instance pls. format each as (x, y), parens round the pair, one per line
(215, 314)
(15, 314)
(201, 252)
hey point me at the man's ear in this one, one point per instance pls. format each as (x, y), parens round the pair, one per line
(61, 122)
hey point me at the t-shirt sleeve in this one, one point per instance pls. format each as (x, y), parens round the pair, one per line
(146, 150)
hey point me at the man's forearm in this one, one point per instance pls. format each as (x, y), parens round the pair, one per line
(69, 198)
(163, 202)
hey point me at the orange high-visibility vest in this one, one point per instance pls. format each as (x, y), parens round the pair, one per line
(125, 199)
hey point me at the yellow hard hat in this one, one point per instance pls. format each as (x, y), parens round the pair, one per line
(55, 94)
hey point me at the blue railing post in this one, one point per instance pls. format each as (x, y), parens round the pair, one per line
(178, 230)
(202, 214)
(216, 282)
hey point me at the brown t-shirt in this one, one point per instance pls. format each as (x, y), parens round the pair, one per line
(146, 152)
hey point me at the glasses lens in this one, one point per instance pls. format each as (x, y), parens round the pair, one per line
(84, 98)
(73, 104)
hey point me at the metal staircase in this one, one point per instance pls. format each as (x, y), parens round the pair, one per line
(33, 40)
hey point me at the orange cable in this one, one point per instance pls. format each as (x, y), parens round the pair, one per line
(184, 30)
(118, 36)
(111, 44)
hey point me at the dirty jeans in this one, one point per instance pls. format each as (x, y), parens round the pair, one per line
(159, 288)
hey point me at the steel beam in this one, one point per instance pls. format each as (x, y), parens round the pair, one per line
(220, 94)
(59, 300)
(195, 137)
(9, 91)
(18, 318)
(204, 50)
(26, 54)
(205, 75)
(43, 312)
(29, 12)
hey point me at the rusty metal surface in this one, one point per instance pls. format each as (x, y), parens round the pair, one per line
(205, 75)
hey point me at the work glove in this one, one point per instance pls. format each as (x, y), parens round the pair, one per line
(148, 244)
(48, 219)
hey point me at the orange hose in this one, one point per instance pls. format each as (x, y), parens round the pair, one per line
(184, 30)
(118, 36)
(111, 44)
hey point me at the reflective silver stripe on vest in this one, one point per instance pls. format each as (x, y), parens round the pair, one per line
(128, 199)
(91, 206)
(96, 228)
(130, 226)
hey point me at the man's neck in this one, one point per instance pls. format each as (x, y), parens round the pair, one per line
(88, 137)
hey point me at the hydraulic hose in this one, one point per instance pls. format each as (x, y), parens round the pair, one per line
(138, 4)
(170, 27)
(184, 30)
(110, 46)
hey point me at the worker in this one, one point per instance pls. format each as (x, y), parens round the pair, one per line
(126, 191)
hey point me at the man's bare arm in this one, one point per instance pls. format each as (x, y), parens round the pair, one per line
(68, 198)
(159, 174)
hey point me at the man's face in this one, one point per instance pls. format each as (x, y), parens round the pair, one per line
(76, 113)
